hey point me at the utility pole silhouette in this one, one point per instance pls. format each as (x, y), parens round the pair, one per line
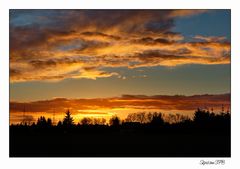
(222, 108)
(53, 117)
(212, 109)
(228, 109)
(23, 115)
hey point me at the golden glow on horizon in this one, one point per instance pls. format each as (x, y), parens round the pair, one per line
(17, 117)
(120, 106)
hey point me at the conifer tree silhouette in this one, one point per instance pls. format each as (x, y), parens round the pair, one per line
(68, 119)
(43, 122)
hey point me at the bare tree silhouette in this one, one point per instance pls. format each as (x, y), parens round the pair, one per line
(86, 121)
(27, 120)
(99, 121)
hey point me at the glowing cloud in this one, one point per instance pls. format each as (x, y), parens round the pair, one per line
(54, 45)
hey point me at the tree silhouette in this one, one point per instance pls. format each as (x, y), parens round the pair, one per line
(157, 119)
(86, 121)
(115, 121)
(42, 122)
(137, 117)
(27, 120)
(99, 121)
(149, 117)
(141, 117)
(203, 117)
(49, 122)
(59, 123)
(68, 119)
(131, 117)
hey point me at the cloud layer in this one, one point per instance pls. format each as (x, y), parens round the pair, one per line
(161, 102)
(59, 44)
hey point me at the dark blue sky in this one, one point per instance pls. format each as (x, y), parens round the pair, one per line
(212, 23)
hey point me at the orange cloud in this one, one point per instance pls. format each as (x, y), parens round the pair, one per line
(120, 106)
(163, 102)
(85, 42)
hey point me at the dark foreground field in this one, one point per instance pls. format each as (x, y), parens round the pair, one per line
(118, 142)
(206, 135)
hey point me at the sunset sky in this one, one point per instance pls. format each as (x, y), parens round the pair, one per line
(101, 63)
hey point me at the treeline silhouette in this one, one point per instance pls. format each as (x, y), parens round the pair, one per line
(202, 118)
(139, 134)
